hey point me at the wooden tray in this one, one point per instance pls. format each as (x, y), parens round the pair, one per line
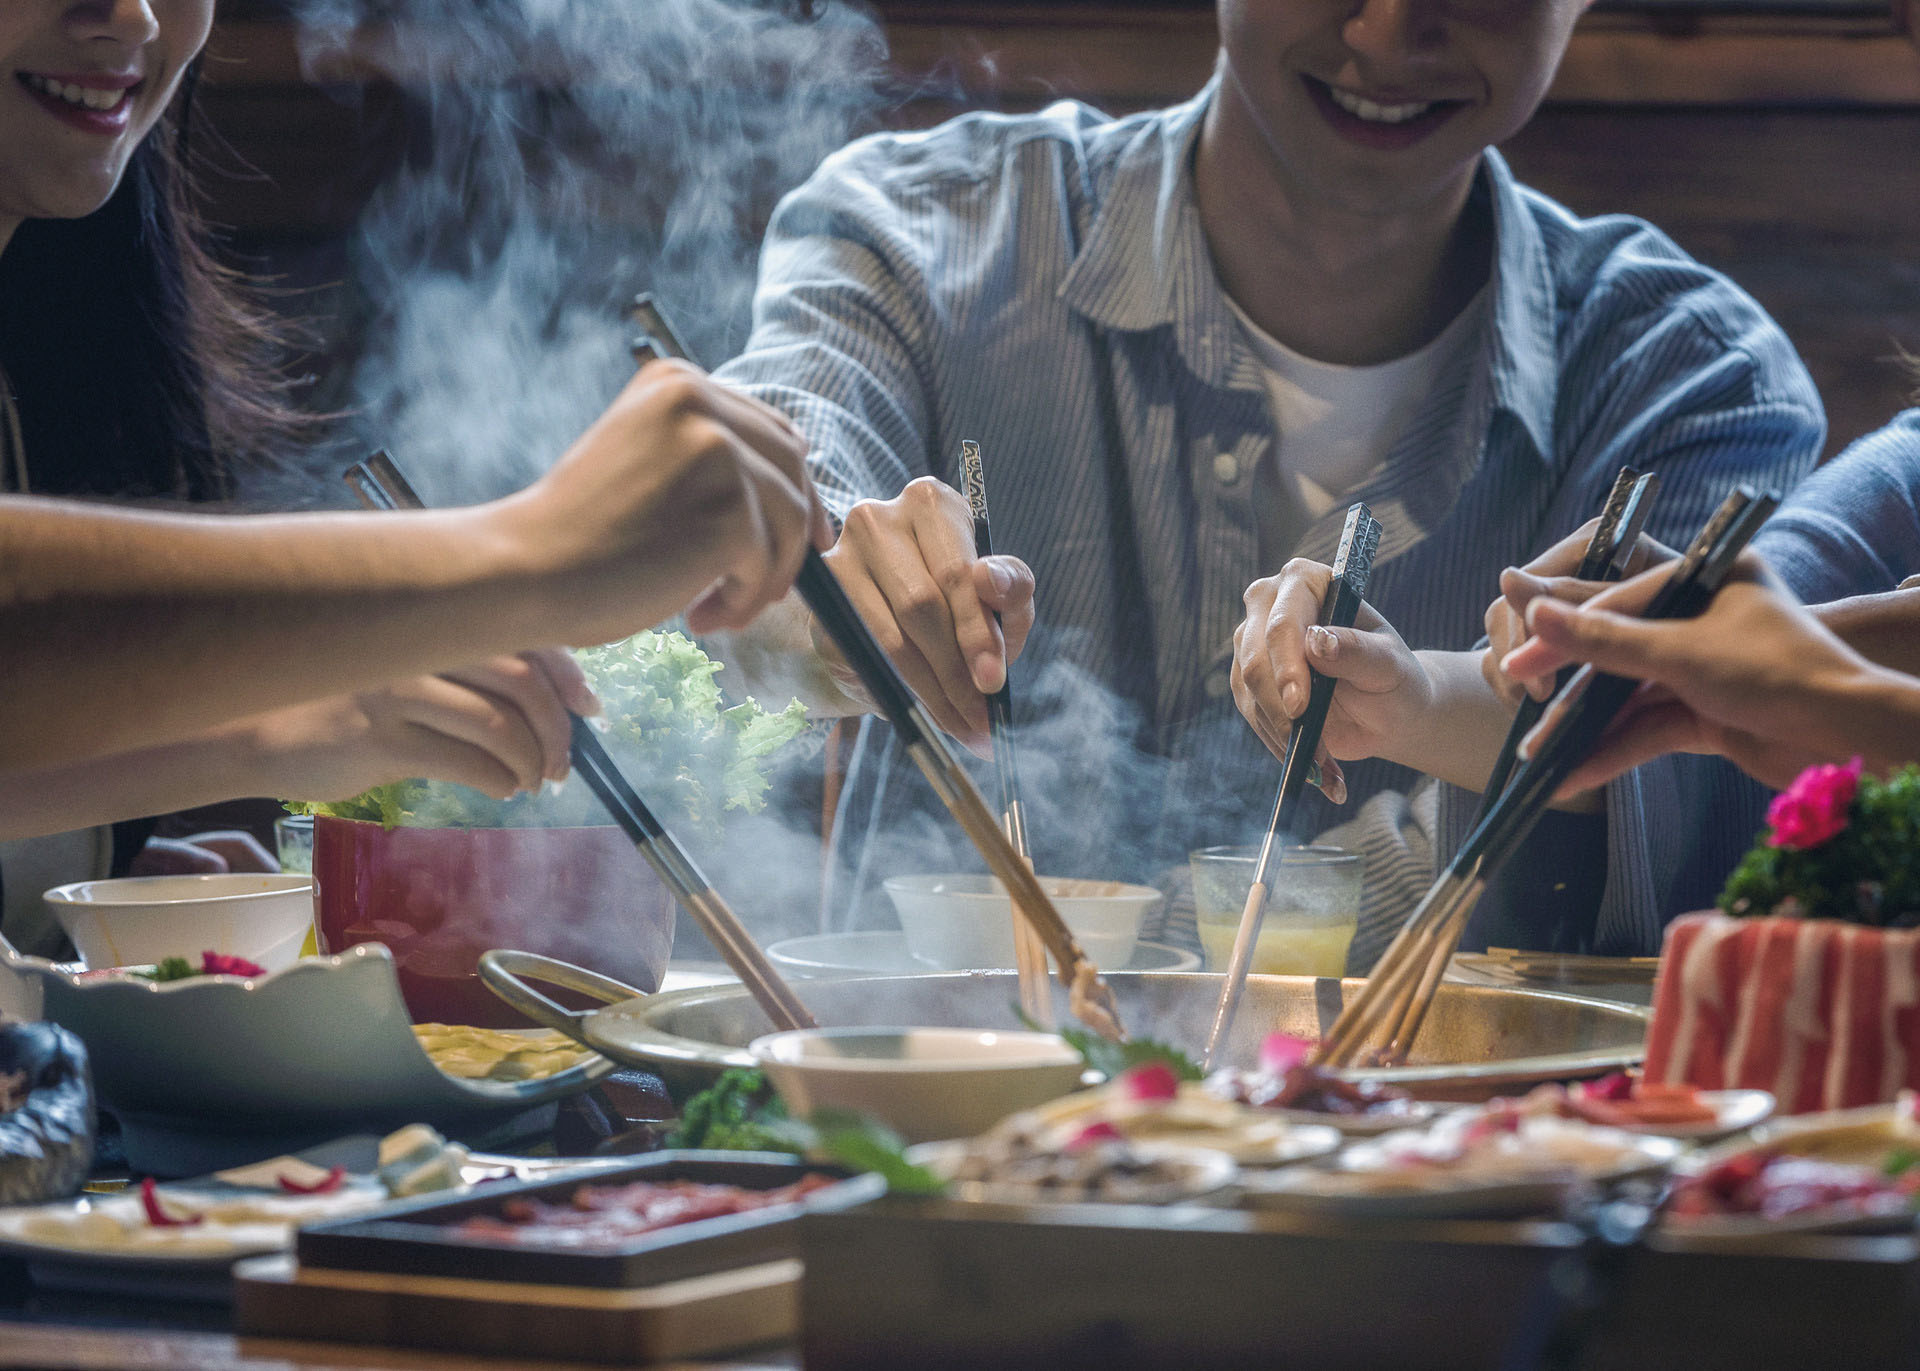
(416, 1237)
(934, 1285)
(276, 1297)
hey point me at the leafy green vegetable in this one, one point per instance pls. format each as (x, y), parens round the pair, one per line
(859, 1142)
(737, 1113)
(693, 759)
(170, 969)
(1899, 1161)
(1868, 873)
(1111, 1058)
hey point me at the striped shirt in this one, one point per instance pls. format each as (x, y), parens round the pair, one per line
(1042, 284)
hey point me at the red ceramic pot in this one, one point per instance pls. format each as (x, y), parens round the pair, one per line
(439, 897)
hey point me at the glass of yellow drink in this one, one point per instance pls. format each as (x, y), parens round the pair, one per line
(1313, 907)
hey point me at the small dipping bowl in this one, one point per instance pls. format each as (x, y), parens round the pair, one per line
(924, 1083)
(963, 922)
(139, 920)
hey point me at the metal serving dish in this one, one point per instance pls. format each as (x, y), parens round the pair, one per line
(1478, 1040)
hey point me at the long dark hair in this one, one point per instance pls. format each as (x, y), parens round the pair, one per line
(140, 368)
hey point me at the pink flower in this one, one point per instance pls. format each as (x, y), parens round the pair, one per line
(1281, 1052)
(1815, 807)
(1150, 1081)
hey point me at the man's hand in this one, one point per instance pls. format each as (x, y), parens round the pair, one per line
(1549, 574)
(909, 567)
(1383, 689)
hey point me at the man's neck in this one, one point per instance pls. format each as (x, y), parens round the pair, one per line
(1332, 284)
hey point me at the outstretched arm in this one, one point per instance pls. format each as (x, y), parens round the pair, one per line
(126, 629)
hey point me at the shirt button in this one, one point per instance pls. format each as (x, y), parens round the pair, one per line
(1219, 684)
(1226, 468)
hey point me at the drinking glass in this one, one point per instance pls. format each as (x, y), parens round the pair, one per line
(1313, 907)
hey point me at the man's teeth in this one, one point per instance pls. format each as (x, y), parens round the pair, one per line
(87, 97)
(1377, 114)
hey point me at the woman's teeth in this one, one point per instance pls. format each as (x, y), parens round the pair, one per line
(87, 97)
(1377, 114)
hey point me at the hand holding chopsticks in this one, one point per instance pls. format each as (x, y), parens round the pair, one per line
(1608, 552)
(380, 485)
(1346, 592)
(1386, 1016)
(1089, 997)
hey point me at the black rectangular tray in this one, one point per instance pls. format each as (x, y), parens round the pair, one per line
(936, 1284)
(416, 1237)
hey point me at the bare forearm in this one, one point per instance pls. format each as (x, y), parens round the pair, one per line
(1882, 628)
(218, 765)
(124, 630)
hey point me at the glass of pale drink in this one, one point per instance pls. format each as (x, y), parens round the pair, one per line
(1313, 907)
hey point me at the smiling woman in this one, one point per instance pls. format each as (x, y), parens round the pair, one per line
(133, 366)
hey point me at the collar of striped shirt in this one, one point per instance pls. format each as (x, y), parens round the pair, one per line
(1145, 264)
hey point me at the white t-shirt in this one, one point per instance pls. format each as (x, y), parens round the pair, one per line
(1336, 424)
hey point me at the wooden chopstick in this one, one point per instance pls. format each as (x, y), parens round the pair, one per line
(1339, 607)
(379, 483)
(1029, 952)
(1391, 1007)
(1090, 998)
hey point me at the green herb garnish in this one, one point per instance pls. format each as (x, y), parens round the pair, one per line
(740, 1113)
(1110, 1059)
(1867, 873)
(170, 969)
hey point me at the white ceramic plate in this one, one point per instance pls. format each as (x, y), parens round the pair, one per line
(1202, 1172)
(1735, 1111)
(1417, 1113)
(1432, 1192)
(884, 952)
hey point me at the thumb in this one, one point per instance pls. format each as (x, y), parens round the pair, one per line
(1366, 661)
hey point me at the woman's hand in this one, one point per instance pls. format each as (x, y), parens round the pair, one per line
(683, 494)
(501, 727)
(1756, 678)
(1383, 690)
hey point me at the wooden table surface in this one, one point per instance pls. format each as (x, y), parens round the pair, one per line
(66, 1347)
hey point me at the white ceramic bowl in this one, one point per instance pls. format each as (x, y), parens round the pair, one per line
(924, 1083)
(961, 922)
(137, 920)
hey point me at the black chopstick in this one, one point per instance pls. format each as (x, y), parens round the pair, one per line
(379, 483)
(1606, 558)
(1339, 607)
(1401, 989)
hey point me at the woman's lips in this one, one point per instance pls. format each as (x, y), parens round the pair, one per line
(1388, 125)
(93, 103)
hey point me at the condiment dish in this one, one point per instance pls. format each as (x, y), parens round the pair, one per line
(140, 920)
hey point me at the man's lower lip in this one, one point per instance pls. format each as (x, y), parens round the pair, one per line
(105, 122)
(1368, 133)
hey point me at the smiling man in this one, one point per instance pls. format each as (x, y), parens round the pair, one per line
(1185, 341)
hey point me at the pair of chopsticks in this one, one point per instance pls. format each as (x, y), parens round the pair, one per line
(379, 484)
(1339, 607)
(1606, 558)
(1393, 1004)
(1090, 998)
(1029, 952)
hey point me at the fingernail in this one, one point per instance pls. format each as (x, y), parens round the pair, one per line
(1293, 698)
(598, 723)
(588, 705)
(1002, 578)
(1323, 642)
(988, 674)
